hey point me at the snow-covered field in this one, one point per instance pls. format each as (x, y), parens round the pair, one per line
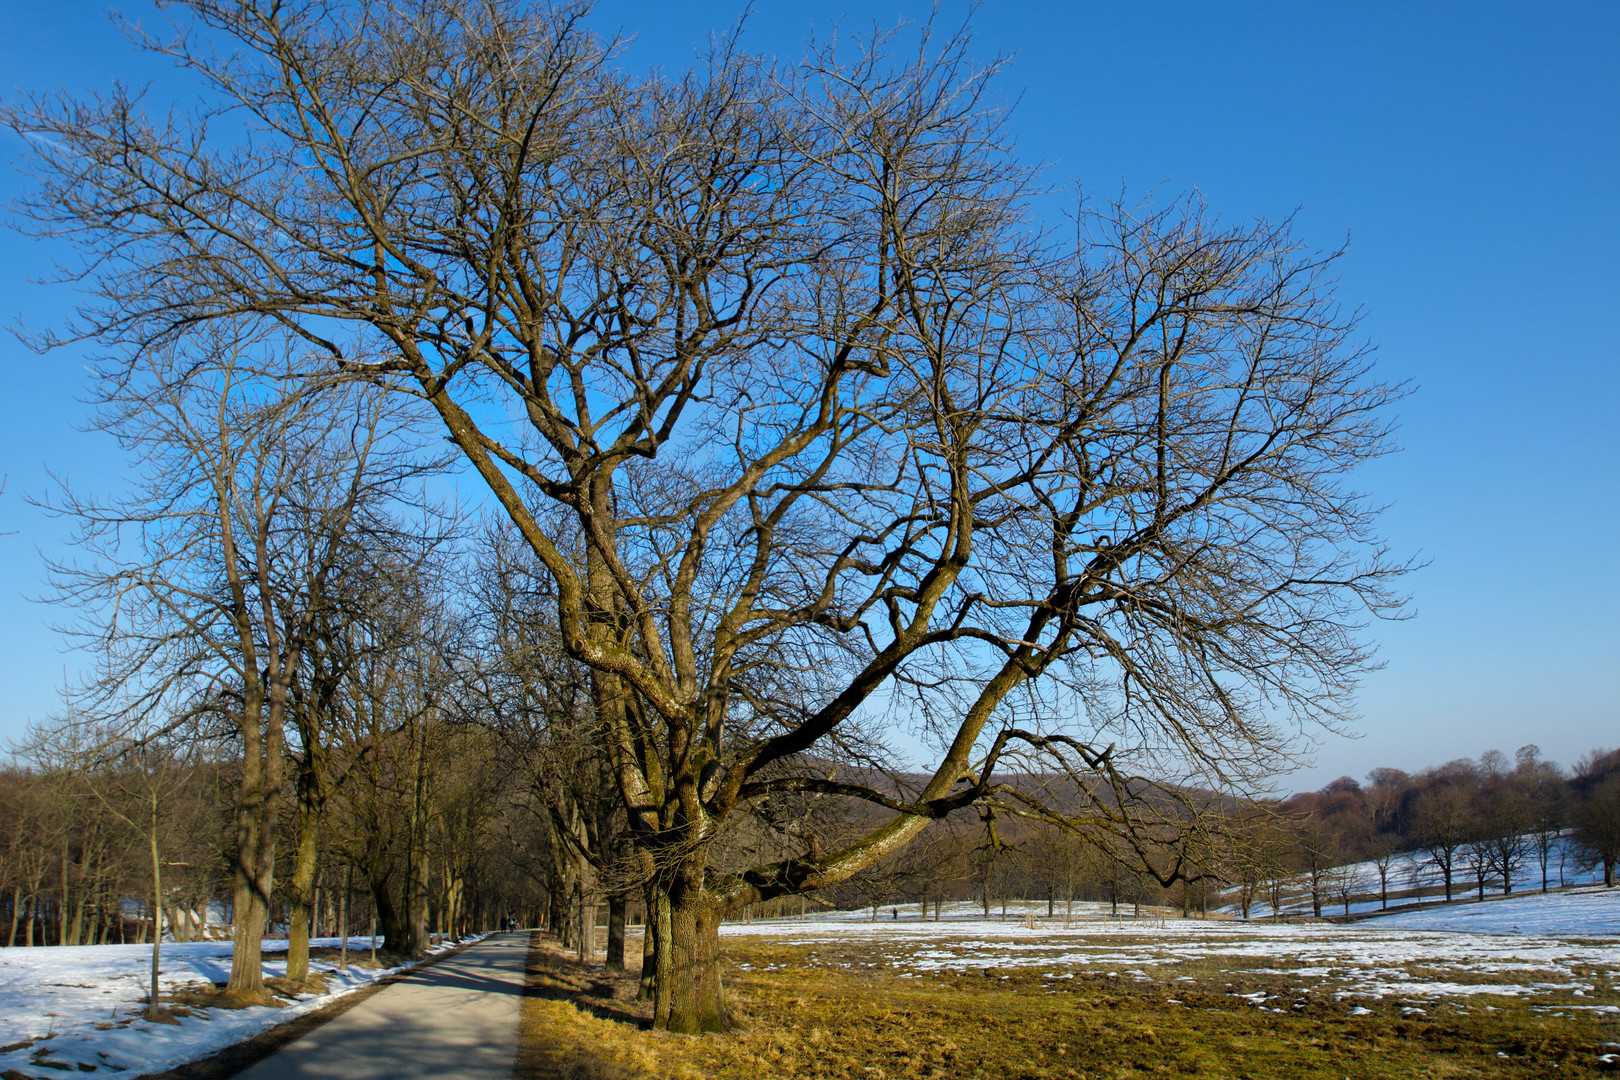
(78, 1009)
(1559, 951)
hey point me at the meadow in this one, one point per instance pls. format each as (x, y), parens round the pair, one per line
(849, 997)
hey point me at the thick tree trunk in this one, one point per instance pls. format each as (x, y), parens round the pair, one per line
(301, 890)
(387, 919)
(258, 802)
(252, 916)
(253, 878)
(689, 997)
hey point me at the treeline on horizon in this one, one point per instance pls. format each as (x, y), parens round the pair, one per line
(434, 830)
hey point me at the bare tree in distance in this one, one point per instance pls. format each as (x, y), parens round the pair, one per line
(136, 779)
(200, 587)
(846, 437)
(1596, 813)
(1443, 819)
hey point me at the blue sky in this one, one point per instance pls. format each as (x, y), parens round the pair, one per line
(1469, 152)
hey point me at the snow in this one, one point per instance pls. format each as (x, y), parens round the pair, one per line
(1532, 947)
(78, 1008)
(1589, 911)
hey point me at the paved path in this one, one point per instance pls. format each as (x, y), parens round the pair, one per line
(456, 1019)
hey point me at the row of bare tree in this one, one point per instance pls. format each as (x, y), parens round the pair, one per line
(1491, 823)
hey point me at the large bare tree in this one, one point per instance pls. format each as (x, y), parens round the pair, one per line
(843, 441)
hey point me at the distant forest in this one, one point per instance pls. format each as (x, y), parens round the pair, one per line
(440, 831)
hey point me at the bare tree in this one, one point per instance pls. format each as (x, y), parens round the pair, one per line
(1385, 791)
(1596, 818)
(140, 787)
(833, 421)
(1443, 818)
(1546, 794)
(202, 586)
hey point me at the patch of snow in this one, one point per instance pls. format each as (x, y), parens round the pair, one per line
(78, 1008)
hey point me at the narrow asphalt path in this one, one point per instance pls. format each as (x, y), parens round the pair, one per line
(456, 1019)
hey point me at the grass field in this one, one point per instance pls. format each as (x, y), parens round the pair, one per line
(878, 1002)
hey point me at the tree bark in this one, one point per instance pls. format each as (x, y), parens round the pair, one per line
(615, 932)
(649, 944)
(254, 871)
(301, 890)
(417, 878)
(157, 905)
(696, 998)
(386, 918)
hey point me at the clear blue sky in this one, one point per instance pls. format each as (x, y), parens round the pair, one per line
(1471, 154)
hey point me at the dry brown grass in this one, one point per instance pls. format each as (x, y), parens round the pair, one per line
(804, 1019)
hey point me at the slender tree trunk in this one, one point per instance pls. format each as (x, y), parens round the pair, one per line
(157, 905)
(343, 918)
(417, 878)
(62, 910)
(649, 945)
(615, 932)
(585, 917)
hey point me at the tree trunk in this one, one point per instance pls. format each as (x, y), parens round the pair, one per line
(301, 890)
(416, 881)
(253, 873)
(252, 916)
(62, 909)
(386, 917)
(343, 919)
(650, 923)
(556, 917)
(157, 905)
(691, 999)
(585, 923)
(615, 932)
